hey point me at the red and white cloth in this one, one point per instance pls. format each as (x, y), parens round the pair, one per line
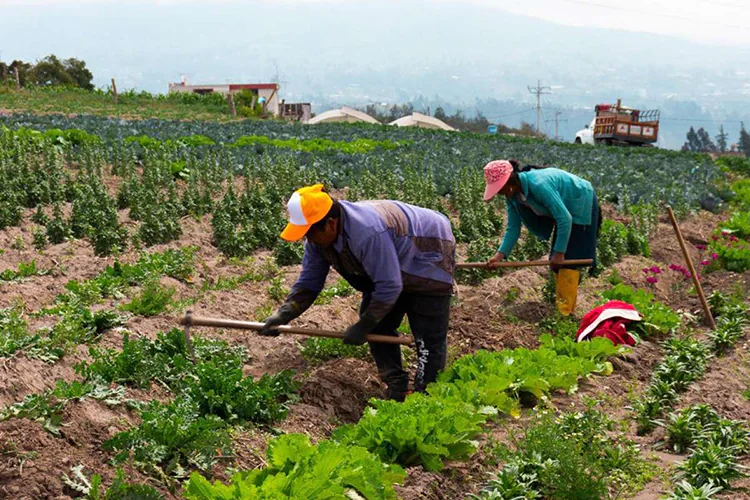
(610, 320)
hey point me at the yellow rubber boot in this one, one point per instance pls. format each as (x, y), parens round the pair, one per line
(567, 290)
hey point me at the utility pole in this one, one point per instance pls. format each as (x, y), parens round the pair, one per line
(557, 120)
(539, 91)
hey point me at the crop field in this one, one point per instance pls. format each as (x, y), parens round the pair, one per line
(111, 229)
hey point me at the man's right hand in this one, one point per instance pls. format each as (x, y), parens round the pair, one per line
(270, 328)
(496, 259)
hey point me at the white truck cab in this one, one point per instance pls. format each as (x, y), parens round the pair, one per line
(586, 135)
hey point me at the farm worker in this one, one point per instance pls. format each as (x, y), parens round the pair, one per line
(551, 203)
(400, 257)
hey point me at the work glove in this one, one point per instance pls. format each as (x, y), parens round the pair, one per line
(357, 333)
(282, 317)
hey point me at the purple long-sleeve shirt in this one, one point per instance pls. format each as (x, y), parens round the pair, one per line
(384, 248)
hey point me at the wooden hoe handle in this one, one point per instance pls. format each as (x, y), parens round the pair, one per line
(190, 320)
(528, 263)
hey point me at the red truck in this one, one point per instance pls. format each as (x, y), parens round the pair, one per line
(615, 124)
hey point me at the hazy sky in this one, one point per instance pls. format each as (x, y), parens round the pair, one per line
(711, 21)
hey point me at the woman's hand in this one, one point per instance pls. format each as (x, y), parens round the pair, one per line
(557, 260)
(496, 259)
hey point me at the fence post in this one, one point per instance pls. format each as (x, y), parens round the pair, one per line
(18, 80)
(232, 108)
(114, 90)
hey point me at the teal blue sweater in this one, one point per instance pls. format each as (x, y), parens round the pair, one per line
(551, 194)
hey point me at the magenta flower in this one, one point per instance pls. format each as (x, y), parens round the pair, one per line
(714, 237)
(655, 270)
(733, 238)
(652, 279)
(705, 263)
(700, 246)
(646, 270)
(725, 233)
(714, 256)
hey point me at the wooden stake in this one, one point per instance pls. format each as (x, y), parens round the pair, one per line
(691, 268)
(114, 90)
(190, 320)
(18, 80)
(527, 263)
(232, 108)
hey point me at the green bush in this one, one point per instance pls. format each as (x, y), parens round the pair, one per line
(288, 253)
(735, 164)
(297, 469)
(153, 299)
(422, 430)
(569, 456)
(657, 317)
(172, 435)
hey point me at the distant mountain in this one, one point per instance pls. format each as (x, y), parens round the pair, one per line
(355, 53)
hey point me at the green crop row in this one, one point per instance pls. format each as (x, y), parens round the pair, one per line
(714, 444)
(686, 360)
(426, 429)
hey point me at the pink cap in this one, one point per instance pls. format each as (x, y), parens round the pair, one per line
(496, 174)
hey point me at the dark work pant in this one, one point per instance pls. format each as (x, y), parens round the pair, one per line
(583, 239)
(428, 318)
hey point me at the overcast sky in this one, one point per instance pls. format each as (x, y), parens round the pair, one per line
(710, 21)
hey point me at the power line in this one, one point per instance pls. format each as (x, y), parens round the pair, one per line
(539, 91)
(510, 114)
(658, 14)
(705, 120)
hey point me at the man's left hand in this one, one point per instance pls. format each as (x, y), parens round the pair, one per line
(356, 334)
(557, 260)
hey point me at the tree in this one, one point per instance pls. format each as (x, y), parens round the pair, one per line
(23, 72)
(77, 70)
(744, 140)
(699, 142)
(721, 139)
(706, 144)
(440, 113)
(50, 71)
(693, 143)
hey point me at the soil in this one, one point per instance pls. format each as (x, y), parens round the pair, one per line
(502, 312)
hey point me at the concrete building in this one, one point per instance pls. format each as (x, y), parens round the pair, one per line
(269, 92)
(421, 121)
(345, 114)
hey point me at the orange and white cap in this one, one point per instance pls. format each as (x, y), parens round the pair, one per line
(307, 206)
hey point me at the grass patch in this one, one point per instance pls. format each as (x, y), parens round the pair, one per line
(318, 350)
(152, 300)
(575, 456)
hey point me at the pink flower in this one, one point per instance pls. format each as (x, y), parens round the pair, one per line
(714, 237)
(652, 279)
(655, 270)
(700, 247)
(674, 267)
(646, 270)
(714, 256)
(725, 233)
(705, 263)
(733, 238)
